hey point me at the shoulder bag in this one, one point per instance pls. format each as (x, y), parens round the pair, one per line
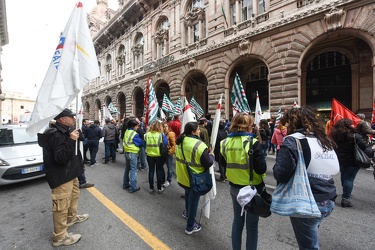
(260, 203)
(199, 183)
(163, 147)
(361, 159)
(295, 198)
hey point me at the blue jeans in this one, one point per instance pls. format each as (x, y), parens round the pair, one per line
(306, 229)
(82, 178)
(239, 222)
(130, 175)
(110, 150)
(348, 175)
(191, 206)
(171, 166)
(93, 147)
(142, 158)
(155, 162)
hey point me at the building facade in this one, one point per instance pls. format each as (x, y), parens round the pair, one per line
(4, 40)
(304, 51)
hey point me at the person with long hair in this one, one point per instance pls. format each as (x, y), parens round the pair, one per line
(321, 163)
(171, 163)
(344, 134)
(153, 138)
(234, 156)
(192, 150)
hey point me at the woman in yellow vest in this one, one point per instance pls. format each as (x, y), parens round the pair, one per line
(153, 138)
(191, 149)
(234, 156)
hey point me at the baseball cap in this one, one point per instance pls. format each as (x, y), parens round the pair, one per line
(65, 112)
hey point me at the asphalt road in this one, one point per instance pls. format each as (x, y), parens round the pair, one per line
(120, 220)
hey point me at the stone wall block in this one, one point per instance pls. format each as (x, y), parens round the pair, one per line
(301, 39)
(351, 17)
(275, 76)
(366, 12)
(307, 31)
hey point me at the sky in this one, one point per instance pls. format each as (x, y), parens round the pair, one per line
(34, 28)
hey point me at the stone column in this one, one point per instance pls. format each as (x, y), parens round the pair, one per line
(200, 29)
(255, 7)
(189, 40)
(238, 12)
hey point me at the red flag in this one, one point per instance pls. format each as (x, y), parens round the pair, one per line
(339, 111)
(145, 101)
(373, 114)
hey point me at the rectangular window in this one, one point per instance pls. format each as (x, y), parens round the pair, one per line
(247, 9)
(233, 14)
(261, 6)
(196, 32)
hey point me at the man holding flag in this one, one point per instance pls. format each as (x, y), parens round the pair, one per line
(73, 65)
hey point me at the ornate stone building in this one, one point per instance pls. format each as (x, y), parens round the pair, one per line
(308, 51)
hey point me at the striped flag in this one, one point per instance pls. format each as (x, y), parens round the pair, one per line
(167, 105)
(152, 106)
(112, 109)
(145, 100)
(178, 107)
(278, 117)
(196, 108)
(238, 97)
(225, 17)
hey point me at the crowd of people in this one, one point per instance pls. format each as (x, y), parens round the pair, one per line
(191, 149)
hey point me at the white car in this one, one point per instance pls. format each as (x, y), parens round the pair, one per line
(21, 158)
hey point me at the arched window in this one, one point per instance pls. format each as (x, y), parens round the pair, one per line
(162, 38)
(138, 51)
(195, 21)
(196, 4)
(108, 67)
(121, 59)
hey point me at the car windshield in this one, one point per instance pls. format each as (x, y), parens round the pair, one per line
(12, 136)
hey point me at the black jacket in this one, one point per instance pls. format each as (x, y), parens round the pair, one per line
(345, 150)
(61, 164)
(93, 133)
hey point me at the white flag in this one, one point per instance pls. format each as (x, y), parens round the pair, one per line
(258, 111)
(187, 115)
(73, 65)
(212, 194)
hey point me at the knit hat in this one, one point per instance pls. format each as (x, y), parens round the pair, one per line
(244, 196)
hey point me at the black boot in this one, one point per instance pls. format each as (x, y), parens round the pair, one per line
(346, 203)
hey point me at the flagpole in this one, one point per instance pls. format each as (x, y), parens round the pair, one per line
(77, 125)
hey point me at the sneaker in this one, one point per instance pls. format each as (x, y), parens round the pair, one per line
(221, 179)
(86, 185)
(143, 169)
(135, 190)
(86, 162)
(105, 162)
(69, 239)
(78, 219)
(346, 203)
(166, 184)
(196, 228)
(113, 161)
(151, 190)
(161, 190)
(184, 214)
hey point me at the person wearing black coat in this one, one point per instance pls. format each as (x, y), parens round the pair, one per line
(343, 134)
(62, 164)
(221, 135)
(93, 135)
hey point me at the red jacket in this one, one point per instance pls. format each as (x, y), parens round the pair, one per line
(175, 126)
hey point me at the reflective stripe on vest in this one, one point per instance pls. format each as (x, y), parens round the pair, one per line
(235, 151)
(128, 144)
(153, 140)
(193, 155)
